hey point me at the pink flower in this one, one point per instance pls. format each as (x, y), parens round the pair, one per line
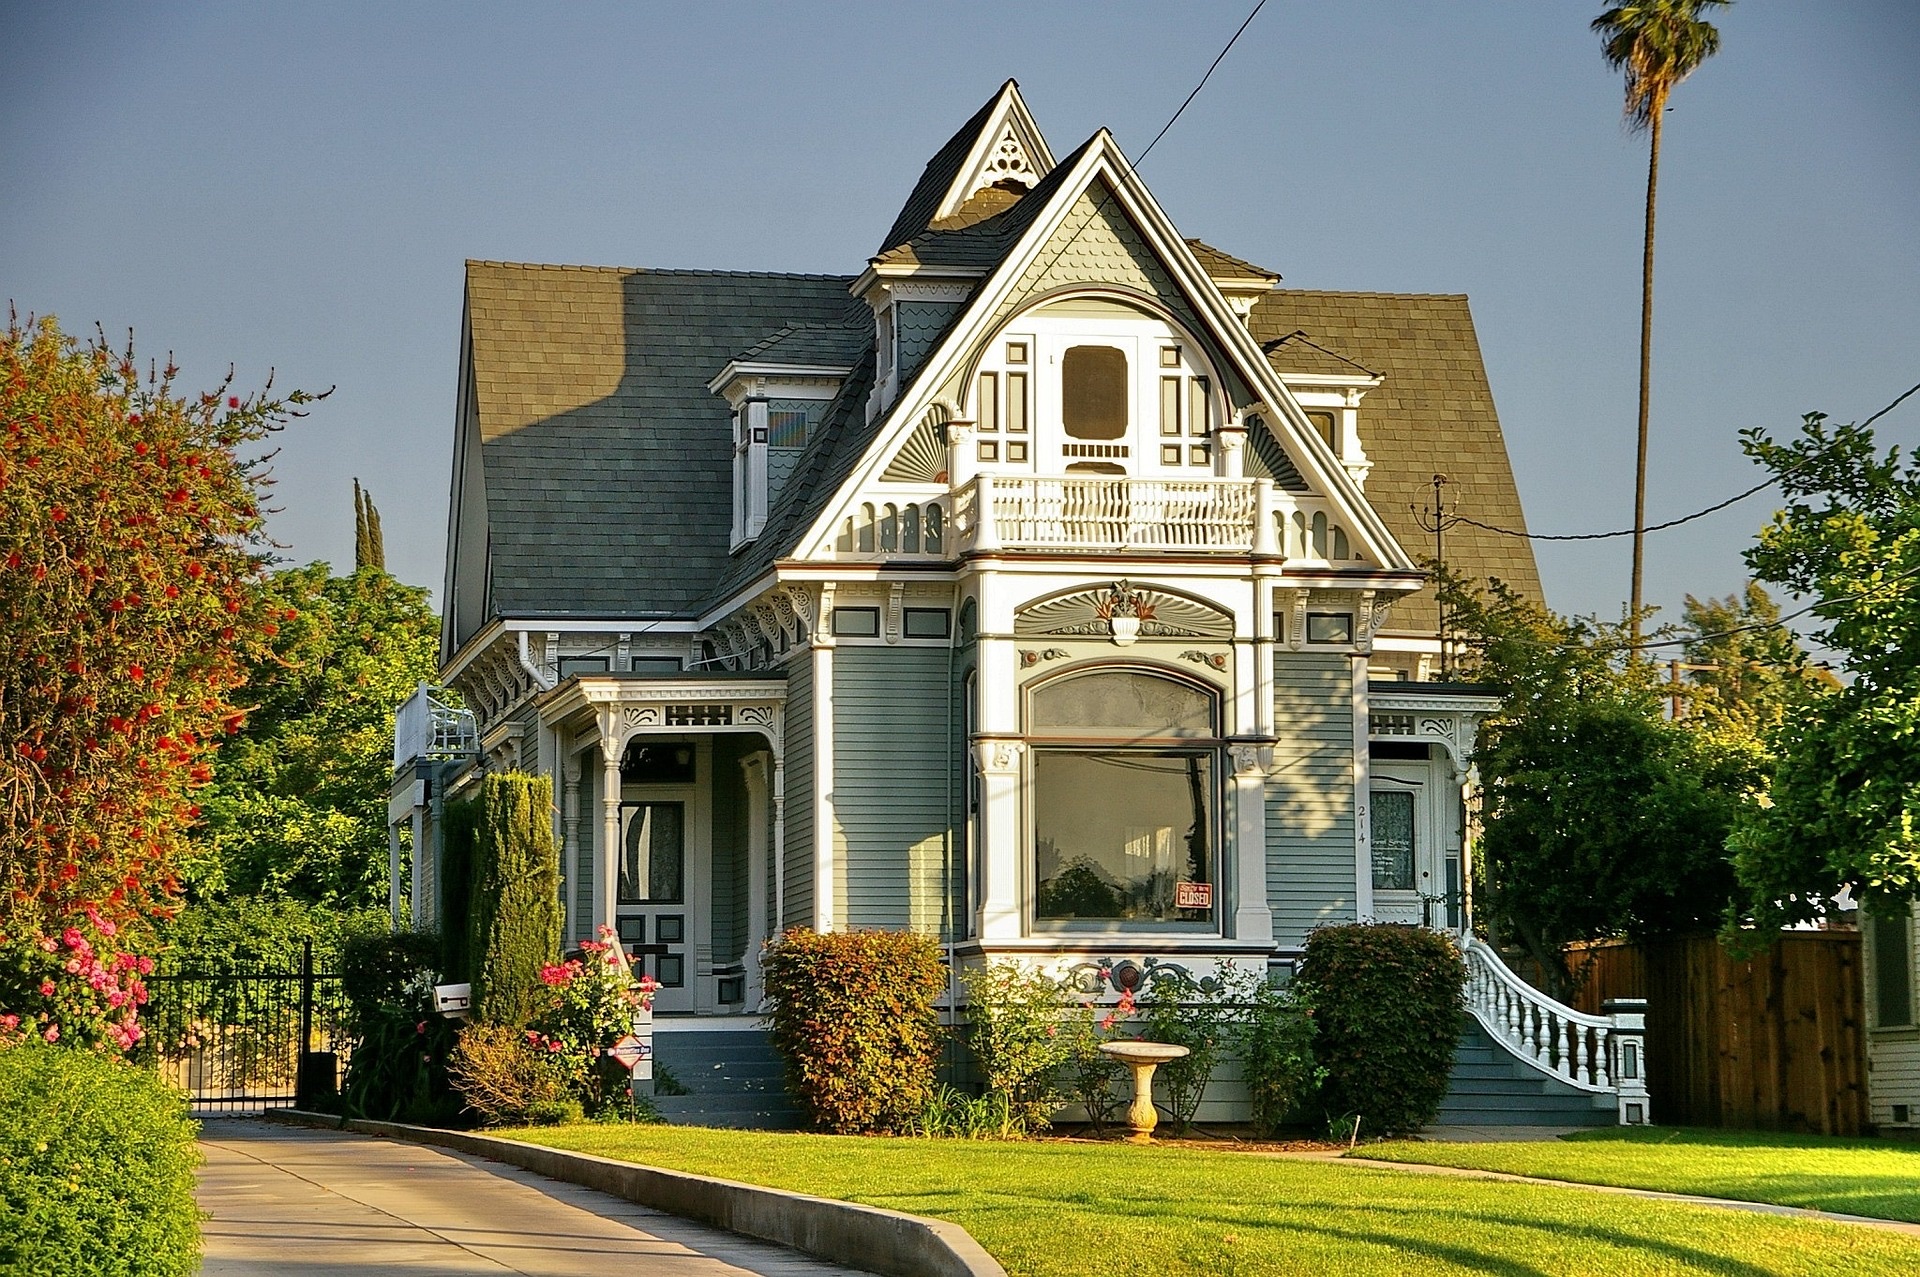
(117, 999)
(555, 975)
(73, 966)
(53, 1033)
(146, 965)
(1106, 1021)
(46, 988)
(49, 944)
(9, 1022)
(420, 1027)
(533, 1035)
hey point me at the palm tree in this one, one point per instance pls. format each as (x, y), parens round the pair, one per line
(1658, 43)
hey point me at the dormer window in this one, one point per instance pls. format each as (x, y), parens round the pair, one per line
(1095, 387)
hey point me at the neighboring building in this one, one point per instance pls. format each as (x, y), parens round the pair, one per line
(1891, 942)
(1051, 585)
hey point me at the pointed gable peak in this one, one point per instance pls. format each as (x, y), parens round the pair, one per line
(997, 156)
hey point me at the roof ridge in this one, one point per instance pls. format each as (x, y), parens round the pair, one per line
(1362, 292)
(664, 270)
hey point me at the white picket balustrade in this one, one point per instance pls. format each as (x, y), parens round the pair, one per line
(1571, 1045)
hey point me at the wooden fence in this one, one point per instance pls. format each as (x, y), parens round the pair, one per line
(1775, 1042)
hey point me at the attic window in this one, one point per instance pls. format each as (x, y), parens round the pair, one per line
(790, 421)
(1324, 423)
(1093, 392)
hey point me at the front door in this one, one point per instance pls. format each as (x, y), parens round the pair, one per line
(660, 895)
(1401, 834)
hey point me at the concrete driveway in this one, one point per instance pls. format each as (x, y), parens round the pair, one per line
(291, 1201)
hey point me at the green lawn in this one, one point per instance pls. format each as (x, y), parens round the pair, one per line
(1853, 1177)
(1055, 1209)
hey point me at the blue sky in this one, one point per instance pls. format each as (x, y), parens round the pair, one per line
(297, 187)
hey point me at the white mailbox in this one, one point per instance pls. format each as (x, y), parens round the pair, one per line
(452, 999)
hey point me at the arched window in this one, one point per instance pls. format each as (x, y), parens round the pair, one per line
(1125, 777)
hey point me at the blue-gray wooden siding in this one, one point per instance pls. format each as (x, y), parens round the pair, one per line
(1310, 848)
(894, 776)
(918, 326)
(798, 811)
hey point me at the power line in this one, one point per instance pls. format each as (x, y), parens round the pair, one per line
(1674, 523)
(1221, 56)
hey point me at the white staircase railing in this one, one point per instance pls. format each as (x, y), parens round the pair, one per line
(1602, 1054)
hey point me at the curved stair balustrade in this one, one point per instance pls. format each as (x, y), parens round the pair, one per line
(1601, 1054)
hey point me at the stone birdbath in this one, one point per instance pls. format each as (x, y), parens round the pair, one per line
(1142, 1058)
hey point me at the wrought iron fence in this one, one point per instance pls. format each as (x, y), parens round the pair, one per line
(246, 1040)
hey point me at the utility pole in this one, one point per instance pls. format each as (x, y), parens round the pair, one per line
(1674, 670)
(1435, 520)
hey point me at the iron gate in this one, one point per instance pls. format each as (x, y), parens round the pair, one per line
(247, 1040)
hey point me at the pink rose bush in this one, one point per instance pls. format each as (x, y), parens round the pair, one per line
(79, 986)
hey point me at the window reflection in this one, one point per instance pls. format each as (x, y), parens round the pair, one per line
(1125, 835)
(652, 853)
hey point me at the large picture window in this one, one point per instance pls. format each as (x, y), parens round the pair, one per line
(1125, 786)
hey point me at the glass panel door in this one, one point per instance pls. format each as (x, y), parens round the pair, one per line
(1400, 841)
(653, 911)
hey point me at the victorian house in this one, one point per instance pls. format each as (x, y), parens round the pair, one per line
(1050, 583)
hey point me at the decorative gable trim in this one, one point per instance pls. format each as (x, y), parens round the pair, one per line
(1009, 148)
(1122, 613)
(1023, 269)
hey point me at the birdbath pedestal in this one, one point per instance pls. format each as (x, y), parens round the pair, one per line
(1142, 1058)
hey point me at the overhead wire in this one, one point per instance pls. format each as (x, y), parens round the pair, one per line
(1673, 523)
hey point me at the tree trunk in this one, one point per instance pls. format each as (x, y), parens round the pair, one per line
(1646, 376)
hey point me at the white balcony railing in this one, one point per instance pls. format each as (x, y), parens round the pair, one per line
(1117, 515)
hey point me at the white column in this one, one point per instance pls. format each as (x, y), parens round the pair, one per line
(779, 856)
(1252, 916)
(754, 769)
(1000, 836)
(605, 864)
(1362, 799)
(822, 796)
(570, 841)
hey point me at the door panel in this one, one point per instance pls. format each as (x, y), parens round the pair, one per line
(653, 901)
(1402, 840)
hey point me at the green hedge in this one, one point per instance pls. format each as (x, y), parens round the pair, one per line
(96, 1168)
(854, 1019)
(1387, 1003)
(402, 1047)
(516, 918)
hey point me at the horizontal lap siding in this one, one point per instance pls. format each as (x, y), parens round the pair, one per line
(1310, 847)
(891, 781)
(798, 790)
(1893, 1054)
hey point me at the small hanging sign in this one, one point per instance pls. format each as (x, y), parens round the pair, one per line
(1193, 895)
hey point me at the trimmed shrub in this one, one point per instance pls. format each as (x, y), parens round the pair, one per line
(515, 914)
(392, 969)
(853, 1018)
(96, 1168)
(1387, 999)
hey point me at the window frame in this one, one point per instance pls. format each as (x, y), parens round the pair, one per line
(1039, 744)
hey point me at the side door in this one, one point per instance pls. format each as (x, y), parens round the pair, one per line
(1401, 837)
(654, 900)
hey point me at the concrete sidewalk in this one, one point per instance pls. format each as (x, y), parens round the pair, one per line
(290, 1201)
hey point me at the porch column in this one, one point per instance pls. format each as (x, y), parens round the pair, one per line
(999, 832)
(1252, 916)
(570, 840)
(393, 874)
(754, 768)
(779, 845)
(606, 864)
(822, 796)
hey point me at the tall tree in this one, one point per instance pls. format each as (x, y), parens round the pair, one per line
(1844, 808)
(298, 804)
(369, 547)
(1657, 44)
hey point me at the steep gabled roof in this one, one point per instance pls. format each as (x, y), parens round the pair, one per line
(937, 184)
(607, 463)
(820, 345)
(985, 243)
(1433, 413)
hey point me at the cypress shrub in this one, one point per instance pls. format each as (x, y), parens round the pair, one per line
(515, 912)
(459, 836)
(853, 1018)
(96, 1168)
(1387, 1002)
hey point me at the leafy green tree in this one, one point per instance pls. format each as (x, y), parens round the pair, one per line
(1600, 817)
(1657, 44)
(1743, 670)
(297, 807)
(1844, 807)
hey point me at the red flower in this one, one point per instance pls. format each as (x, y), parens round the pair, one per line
(233, 401)
(46, 988)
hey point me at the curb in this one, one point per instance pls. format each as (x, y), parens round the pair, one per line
(887, 1242)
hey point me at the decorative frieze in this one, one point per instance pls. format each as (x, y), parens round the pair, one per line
(1123, 613)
